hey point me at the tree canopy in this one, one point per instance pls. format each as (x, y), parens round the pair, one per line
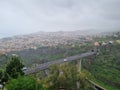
(24, 83)
(14, 67)
(65, 76)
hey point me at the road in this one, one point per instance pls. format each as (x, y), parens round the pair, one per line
(60, 61)
(98, 87)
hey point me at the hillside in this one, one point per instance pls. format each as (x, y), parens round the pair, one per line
(105, 67)
(46, 39)
(45, 54)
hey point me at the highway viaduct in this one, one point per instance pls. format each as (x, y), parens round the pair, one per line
(46, 65)
(60, 61)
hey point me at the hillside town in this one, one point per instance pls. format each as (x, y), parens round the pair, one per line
(44, 39)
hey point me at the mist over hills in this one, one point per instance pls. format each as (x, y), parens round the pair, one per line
(82, 31)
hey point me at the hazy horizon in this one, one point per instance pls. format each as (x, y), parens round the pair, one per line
(30, 16)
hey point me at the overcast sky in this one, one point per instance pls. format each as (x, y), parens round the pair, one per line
(27, 16)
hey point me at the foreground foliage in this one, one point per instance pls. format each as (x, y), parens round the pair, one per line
(14, 67)
(65, 76)
(24, 83)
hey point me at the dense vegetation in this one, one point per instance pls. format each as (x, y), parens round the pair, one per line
(24, 83)
(67, 77)
(13, 69)
(105, 67)
(64, 76)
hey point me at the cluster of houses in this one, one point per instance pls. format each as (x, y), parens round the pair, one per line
(103, 43)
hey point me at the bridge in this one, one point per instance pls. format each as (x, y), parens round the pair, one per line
(60, 61)
(46, 65)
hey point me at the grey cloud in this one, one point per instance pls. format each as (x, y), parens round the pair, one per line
(110, 9)
(26, 16)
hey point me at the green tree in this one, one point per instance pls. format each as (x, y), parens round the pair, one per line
(83, 80)
(51, 82)
(64, 76)
(1, 75)
(14, 67)
(24, 83)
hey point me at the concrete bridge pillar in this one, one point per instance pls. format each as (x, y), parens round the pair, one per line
(79, 69)
(79, 65)
(46, 71)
